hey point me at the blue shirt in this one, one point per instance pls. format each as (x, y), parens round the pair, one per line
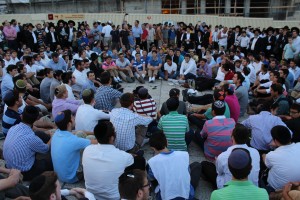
(6, 85)
(65, 153)
(146, 59)
(89, 85)
(20, 146)
(60, 65)
(106, 98)
(137, 31)
(9, 119)
(155, 62)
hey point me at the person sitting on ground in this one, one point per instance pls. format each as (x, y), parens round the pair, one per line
(57, 80)
(45, 86)
(283, 167)
(232, 101)
(124, 68)
(11, 117)
(66, 147)
(104, 162)
(154, 65)
(170, 169)
(47, 186)
(106, 97)
(219, 174)
(173, 93)
(87, 116)
(175, 126)
(293, 121)
(134, 185)
(11, 187)
(188, 68)
(239, 164)
(169, 71)
(111, 67)
(125, 121)
(21, 146)
(241, 92)
(61, 102)
(140, 68)
(215, 137)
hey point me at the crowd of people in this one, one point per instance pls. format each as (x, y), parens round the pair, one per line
(67, 119)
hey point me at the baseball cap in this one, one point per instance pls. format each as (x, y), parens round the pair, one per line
(239, 159)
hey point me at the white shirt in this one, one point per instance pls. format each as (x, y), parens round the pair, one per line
(34, 37)
(70, 92)
(14, 61)
(102, 167)
(151, 33)
(257, 66)
(87, 117)
(220, 75)
(215, 36)
(265, 76)
(70, 34)
(53, 38)
(284, 165)
(106, 30)
(171, 68)
(171, 172)
(253, 43)
(189, 67)
(223, 41)
(224, 175)
(34, 68)
(81, 77)
(252, 75)
(296, 42)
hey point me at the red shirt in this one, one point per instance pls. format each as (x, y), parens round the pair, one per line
(229, 76)
(144, 34)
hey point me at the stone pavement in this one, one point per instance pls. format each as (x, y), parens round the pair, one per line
(160, 93)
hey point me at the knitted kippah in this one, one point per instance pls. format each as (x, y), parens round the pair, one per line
(59, 117)
(86, 92)
(20, 84)
(239, 159)
(219, 104)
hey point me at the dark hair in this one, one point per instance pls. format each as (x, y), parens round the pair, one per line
(217, 110)
(11, 101)
(227, 89)
(48, 70)
(78, 63)
(126, 100)
(35, 56)
(88, 98)
(275, 73)
(105, 77)
(241, 134)
(295, 106)
(20, 67)
(244, 172)
(103, 131)
(285, 72)
(281, 134)
(246, 71)
(90, 72)
(226, 67)
(57, 73)
(54, 55)
(42, 186)
(11, 68)
(63, 124)
(158, 140)
(66, 77)
(130, 183)
(240, 76)
(276, 87)
(30, 114)
(172, 104)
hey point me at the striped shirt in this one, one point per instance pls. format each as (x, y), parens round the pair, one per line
(240, 190)
(217, 133)
(174, 126)
(146, 107)
(20, 147)
(10, 118)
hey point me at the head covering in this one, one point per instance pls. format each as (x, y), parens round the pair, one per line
(20, 84)
(59, 117)
(239, 159)
(86, 92)
(219, 104)
(71, 22)
(135, 91)
(142, 91)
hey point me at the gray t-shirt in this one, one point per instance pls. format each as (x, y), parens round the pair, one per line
(181, 109)
(54, 84)
(241, 93)
(45, 89)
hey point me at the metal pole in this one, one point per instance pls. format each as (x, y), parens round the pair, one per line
(219, 7)
(235, 7)
(170, 7)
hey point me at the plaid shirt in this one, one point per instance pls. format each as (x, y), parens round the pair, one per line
(20, 147)
(106, 98)
(125, 121)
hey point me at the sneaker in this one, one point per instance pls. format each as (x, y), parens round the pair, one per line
(153, 79)
(116, 80)
(145, 141)
(160, 78)
(150, 80)
(141, 80)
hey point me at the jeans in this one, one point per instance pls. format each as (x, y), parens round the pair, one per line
(14, 192)
(196, 121)
(162, 75)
